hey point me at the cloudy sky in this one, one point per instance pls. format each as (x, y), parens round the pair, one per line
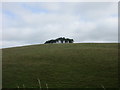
(34, 23)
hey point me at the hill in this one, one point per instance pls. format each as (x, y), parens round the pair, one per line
(79, 65)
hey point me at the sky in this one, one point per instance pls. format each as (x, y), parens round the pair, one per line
(26, 23)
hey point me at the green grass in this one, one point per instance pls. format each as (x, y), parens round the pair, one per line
(80, 65)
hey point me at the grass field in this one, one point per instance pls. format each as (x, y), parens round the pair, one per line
(78, 65)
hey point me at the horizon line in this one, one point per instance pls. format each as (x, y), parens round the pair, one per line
(55, 43)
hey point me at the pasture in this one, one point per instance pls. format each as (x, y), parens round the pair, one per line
(77, 65)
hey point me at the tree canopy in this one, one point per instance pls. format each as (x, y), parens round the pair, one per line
(60, 40)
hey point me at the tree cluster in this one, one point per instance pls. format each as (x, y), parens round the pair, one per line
(60, 40)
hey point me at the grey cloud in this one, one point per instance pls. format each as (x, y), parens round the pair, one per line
(80, 21)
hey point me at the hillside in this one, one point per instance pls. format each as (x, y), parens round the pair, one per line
(79, 65)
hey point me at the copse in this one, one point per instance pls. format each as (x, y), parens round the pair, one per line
(60, 40)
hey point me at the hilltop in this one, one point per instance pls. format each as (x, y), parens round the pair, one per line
(74, 65)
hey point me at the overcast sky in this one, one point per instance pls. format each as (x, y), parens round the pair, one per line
(34, 23)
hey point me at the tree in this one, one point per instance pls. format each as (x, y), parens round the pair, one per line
(61, 40)
(66, 41)
(52, 41)
(71, 40)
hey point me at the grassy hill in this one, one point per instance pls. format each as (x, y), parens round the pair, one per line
(80, 65)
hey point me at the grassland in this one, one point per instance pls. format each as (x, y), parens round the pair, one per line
(80, 65)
